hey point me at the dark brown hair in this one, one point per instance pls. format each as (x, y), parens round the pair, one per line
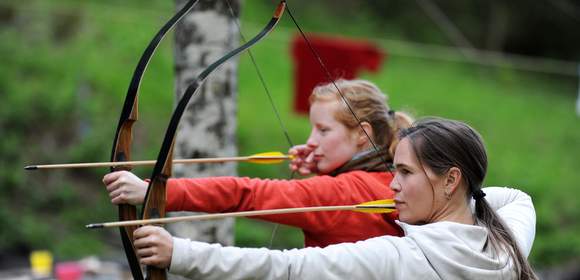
(441, 144)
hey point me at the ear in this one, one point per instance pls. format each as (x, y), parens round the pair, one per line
(453, 179)
(362, 138)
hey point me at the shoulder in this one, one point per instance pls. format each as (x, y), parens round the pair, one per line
(384, 177)
(444, 230)
(375, 184)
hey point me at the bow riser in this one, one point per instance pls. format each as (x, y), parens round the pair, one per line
(122, 152)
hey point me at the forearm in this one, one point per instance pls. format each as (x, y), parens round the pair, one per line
(213, 195)
(372, 259)
(198, 260)
(231, 194)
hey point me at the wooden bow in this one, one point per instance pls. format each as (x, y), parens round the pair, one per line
(154, 202)
(122, 144)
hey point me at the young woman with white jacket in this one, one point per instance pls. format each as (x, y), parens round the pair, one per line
(451, 228)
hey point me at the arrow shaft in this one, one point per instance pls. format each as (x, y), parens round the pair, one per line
(361, 208)
(239, 214)
(152, 162)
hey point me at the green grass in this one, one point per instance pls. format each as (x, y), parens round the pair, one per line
(527, 120)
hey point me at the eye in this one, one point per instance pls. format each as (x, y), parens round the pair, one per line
(403, 171)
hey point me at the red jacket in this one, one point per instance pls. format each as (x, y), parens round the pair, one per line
(231, 194)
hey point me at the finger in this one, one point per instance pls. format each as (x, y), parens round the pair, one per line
(121, 198)
(120, 192)
(144, 252)
(299, 150)
(141, 232)
(152, 261)
(304, 152)
(115, 196)
(144, 245)
(147, 260)
(310, 158)
(110, 177)
(304, 171)
(295, 166)
(296, 162)
(122, 178)
(145, 231)
(116, 184)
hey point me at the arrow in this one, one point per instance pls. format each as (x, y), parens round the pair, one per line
(261, 158)
(377, 206)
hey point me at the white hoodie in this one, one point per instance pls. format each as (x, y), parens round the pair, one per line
(443, 250)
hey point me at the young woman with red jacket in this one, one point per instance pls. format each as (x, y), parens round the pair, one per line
(348, 170)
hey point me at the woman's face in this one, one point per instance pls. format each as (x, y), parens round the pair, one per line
(414, 193)
(332, 142)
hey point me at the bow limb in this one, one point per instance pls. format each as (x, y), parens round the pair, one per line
(154, 202)
(262, 80)
(123, 136)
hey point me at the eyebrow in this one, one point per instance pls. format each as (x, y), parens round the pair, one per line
(401, 165)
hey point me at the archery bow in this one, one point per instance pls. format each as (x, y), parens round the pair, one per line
(154, 202)
(122, 143)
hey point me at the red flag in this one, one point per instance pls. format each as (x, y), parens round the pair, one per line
(343, 57)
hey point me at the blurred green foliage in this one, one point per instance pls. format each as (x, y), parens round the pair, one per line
(66, 66)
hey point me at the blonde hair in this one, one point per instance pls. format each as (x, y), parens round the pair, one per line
(370, 105)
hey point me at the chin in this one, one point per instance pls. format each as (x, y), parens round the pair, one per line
(326, 169)
(405, 218)
(322, 170)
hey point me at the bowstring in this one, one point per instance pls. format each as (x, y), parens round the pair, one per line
(329, 77)
(272, 104)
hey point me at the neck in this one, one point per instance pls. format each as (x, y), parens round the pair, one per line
(366, 160)
(455, 210)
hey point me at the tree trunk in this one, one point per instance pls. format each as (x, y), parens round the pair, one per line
(207, 128)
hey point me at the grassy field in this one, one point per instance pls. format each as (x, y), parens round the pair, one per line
(51, 89)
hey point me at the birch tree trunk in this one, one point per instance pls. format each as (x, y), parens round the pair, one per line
(208, 127)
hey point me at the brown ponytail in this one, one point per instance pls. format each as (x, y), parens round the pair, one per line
(501, 237)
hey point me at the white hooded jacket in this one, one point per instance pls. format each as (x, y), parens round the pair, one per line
(442, 250)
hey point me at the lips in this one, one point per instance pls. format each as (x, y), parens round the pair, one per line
(398, 203)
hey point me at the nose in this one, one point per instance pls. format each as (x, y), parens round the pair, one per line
(394, 185)
(312, 142)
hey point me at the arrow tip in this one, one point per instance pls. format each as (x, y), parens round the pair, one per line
(93, 226)
(31, 167)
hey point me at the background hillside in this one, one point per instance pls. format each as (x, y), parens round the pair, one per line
(66, 65)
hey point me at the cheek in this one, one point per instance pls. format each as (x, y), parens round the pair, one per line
(338, 144)
(418, 203)
(334, 138)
